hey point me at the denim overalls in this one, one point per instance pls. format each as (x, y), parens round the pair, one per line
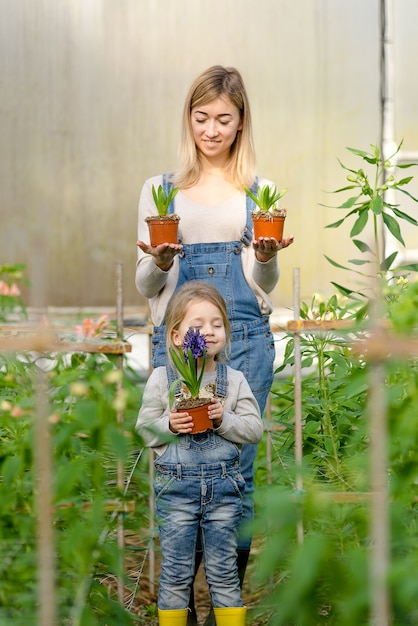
(252, 343)
(198, 486)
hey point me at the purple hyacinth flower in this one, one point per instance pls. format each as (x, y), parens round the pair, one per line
(195, 342)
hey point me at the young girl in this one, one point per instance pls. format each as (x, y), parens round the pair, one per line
(198, 484)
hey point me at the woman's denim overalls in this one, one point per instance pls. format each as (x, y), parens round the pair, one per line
(199, 486)
(252, 343)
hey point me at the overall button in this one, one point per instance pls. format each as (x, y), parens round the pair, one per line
(211, 270)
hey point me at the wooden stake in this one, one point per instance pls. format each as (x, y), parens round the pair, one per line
(44, 515)
(120, 420)
(298, 395)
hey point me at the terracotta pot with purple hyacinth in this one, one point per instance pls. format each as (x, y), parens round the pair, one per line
(189, 361)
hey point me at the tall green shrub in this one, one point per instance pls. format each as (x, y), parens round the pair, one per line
(325, 579)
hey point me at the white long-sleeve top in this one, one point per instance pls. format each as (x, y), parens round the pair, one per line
(241, 421)
(199, 224)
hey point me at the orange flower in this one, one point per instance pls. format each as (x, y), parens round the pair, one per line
(14, 290)
(5, 290)
(90, 328)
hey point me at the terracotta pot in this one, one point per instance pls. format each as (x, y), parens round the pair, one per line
(201, 419)
(268, 226)
(163, 230)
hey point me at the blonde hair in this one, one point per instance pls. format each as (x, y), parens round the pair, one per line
(193, 291)
(211, 84)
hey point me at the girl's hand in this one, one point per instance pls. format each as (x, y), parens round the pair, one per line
(216, 412)
(163, 254)
(181, 423)
(267, 247)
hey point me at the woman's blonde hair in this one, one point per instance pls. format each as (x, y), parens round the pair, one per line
(211, 84)
(193, 291)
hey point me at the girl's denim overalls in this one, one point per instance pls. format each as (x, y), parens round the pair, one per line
(198, 486)
(252, 343)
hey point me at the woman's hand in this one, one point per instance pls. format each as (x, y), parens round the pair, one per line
(267, 247)
(180, 422)
(216, 412)
(163, 254)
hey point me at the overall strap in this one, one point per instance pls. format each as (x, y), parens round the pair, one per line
(167, 186)
(221, 379)
(247, 236)
(171, 376)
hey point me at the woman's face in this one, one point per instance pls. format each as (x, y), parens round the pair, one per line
(215, 126)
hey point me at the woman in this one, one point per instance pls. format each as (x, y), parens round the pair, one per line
(216, 161)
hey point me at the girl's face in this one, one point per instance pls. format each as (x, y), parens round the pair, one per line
(208, 319)
(215, 126)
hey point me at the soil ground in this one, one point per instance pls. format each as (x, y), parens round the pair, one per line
(144, 605)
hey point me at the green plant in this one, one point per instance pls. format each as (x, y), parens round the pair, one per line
(85, 392)
(326, 578)
(185, 359)
(266, 198)
(11, 303)
(162, 201)
(371, 202)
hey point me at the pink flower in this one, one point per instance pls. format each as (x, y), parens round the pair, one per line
(87, 327)
(16, 412)
(5, 290)
(102, 324)
(14, 290)
(90, 328)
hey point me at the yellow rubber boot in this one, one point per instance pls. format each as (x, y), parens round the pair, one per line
(176, 617)
(230, 616)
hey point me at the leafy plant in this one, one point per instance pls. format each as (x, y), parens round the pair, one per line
(266, 198)
(84, 393)
(326, 578)
(161, 200)
(185, 359)
(371, 202)
(11, 303)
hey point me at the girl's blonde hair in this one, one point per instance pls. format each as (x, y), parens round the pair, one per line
(211, 84)
(192, 291)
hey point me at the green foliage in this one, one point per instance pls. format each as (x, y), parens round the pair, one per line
(323, 580)
(85, 394)
(162, 201)
(326, 578)
(266, 197)
(11, 303)
(371, 202)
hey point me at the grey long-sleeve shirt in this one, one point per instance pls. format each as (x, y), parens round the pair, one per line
(241, 420)
(200, 224)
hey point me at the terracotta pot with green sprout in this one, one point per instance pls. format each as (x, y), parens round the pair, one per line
(268, 217)
(184, 392)
(164, 227)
